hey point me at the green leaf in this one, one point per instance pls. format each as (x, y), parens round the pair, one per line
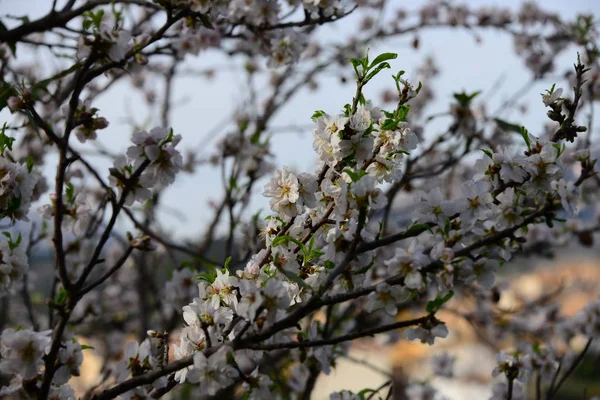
(419, 87)
(227, 262)
(507, 126)
(17, 243)
(13, 204)
(357, 62)
(209, 277)
(187, 264)
(383, 57)
(86, 24)
(312, 254)
(95, 17)
(6, 142)
(402, 112)
(418, 228)
(205, 21)
(61, 297)
(295, 278)
(30, 162)
(398, 75)
(169, 138)
(525, 134)
(311, 243)
(70, 192)
(560, 149)
(465, 99)
(232, 183)
(24, 19)
(318, 114)
(377, 70)
(328, 264)
(361, 100)
(284, 239)
(355, 176)
(32, 121)
(347, 110)
(86, 347)
(488, 153)
(364, 392)
(7, 234)
(434, 305)
(389, 125)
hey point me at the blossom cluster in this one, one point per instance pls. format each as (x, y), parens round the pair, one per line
(17, 185)
(331, 263)
(451, 246)
(22, 353)
(88, 122)
(108, 39)
(153, 160)
(105, 39)
(13, 265)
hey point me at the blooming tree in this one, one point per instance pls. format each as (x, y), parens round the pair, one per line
(261, 310)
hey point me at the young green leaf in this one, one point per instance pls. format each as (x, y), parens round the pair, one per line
(402, 112)
(525, 134)
(284, 239)
(318, 114)
(356, 62)
(355, 176)
(418, 228)
(6, 142)
(295, 278)
(383, 57)
(227, 262)
(61, 297)
(389, 124)
(70, 192)
(488, 153)
(29, 163)
(465, 99)
(437, 303)
(507, 126)
(377, 70)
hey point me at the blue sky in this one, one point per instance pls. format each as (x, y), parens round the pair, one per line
(464, 63)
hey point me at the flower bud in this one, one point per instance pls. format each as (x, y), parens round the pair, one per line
(14, 103)
(141, 59)
(143, 243)
(100, 123)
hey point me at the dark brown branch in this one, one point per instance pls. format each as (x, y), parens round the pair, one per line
(554, 389)
(340, 339)
(108, 273)
(58, 19)
(147, 378)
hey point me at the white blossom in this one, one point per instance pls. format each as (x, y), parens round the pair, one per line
(22, 352)
(427, 335)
